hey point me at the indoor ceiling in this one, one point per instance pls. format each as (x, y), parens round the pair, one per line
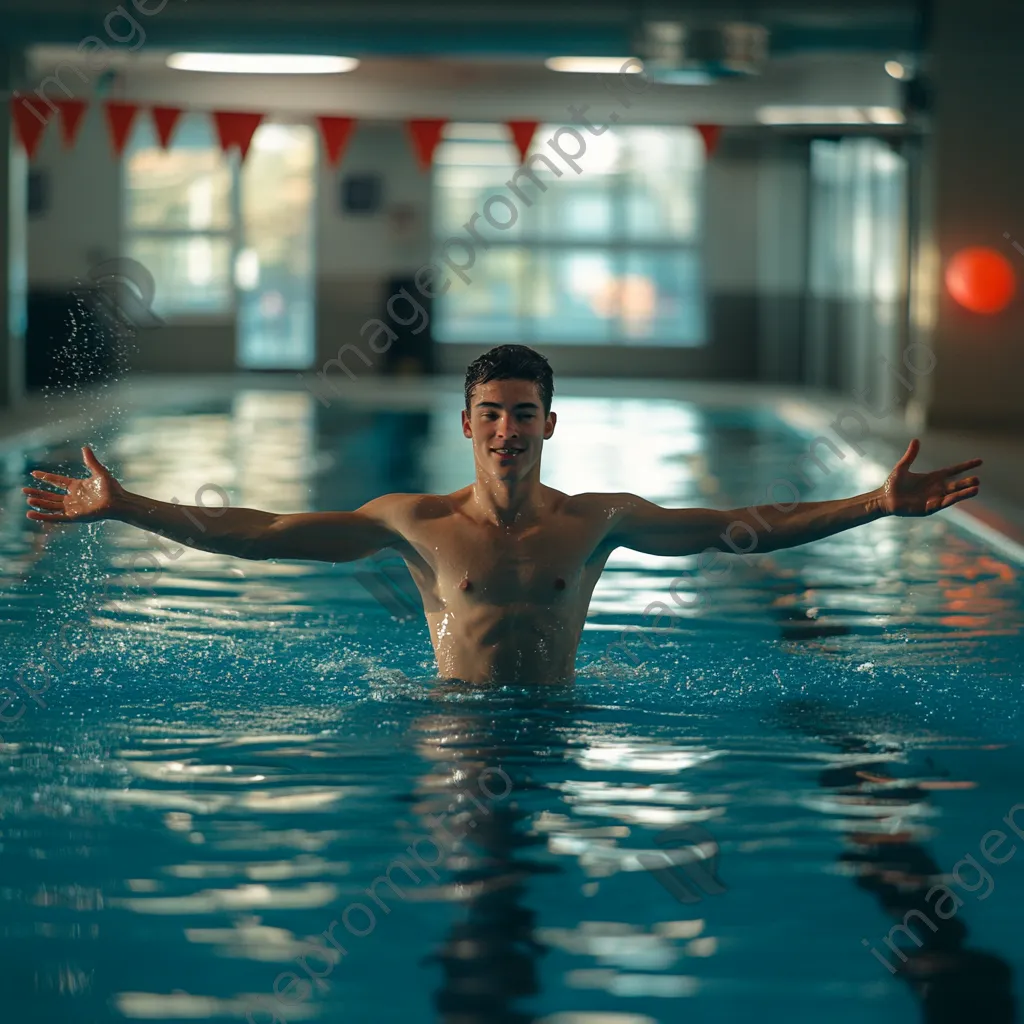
(457, 59)
(527, 28)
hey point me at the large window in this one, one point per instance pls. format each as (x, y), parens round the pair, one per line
(180, 219)
(611, 255)
(224, 239)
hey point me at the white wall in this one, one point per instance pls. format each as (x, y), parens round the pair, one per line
(974, 160)
(82, 226)
(782, 183)
(370, 244)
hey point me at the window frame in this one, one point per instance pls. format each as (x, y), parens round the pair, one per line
(233, 233)
(617, 245)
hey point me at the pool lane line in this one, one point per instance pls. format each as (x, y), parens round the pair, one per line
(988, 532)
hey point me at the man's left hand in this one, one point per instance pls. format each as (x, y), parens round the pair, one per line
(922, 494)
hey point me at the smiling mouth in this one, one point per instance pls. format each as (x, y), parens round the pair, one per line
(508, 451)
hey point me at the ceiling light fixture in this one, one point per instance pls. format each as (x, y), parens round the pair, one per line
(595, 65)
(779, 115)
(262, 63)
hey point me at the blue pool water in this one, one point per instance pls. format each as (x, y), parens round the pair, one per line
(213, 772)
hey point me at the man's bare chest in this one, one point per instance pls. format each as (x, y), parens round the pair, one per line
(538, 565)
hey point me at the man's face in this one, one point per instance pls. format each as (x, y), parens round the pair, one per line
(507, 426)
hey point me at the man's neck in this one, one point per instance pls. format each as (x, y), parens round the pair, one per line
(509, 502)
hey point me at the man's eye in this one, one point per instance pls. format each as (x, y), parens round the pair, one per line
(526, 416)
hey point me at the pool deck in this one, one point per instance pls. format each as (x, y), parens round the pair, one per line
(53, 419)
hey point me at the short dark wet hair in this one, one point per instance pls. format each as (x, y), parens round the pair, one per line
(512, 362)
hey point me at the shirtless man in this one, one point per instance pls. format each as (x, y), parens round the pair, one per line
(506, 566)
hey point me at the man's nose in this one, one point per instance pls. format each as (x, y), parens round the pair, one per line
(507, 426)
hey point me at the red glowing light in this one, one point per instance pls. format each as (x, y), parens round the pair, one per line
(981, 280)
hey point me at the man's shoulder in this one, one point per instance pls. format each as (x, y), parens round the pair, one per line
(602, 503)
(410, 507)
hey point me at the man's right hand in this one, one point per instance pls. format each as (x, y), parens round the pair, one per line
(96, 497)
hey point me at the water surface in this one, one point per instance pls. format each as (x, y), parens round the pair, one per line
(218, 766)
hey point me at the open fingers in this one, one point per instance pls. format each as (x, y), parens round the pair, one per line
(51, 500)
(959, 485)
(48, 517)
(910, 454)
(961, 467)
(39, 492)
(958, 496)
(89, 458)
(53, 478)
(47, 503)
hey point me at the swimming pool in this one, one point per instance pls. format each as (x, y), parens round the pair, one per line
(205, 778)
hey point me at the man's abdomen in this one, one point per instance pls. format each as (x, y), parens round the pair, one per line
(513, 644)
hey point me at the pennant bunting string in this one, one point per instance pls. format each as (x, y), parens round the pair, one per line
(29, 124)
(236, 128)
(522, 135)
(711, 134)
(165, 119)
(71, 114)
(426, 134)
(335, 131)
(120, 118)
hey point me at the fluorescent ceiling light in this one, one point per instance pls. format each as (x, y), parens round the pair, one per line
(595, 65)
(262, 63)
(829, 115)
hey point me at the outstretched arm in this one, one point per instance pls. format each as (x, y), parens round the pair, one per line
(647, 527)
(243, 532)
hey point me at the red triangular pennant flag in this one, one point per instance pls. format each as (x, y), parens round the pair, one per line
(71, 114)
(120, 118)
(522, 134)
(711, 133)
(236, 128)
(165, 118)
(27, 124)
(426, 134)
(336, 132)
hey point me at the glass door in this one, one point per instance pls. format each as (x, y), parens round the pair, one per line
(857, 267)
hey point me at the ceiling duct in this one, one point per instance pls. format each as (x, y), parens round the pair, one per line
(672, 48)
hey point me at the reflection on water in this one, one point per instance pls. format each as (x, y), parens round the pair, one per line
(488, 955)
(929, 948)
(217, 763)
